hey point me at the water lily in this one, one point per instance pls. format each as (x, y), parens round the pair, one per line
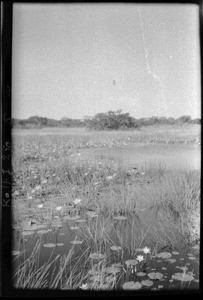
(77, 201)
(109, 177)
(84, 286)
(140, 258)
(58, 208)
(38, 187)
(40, 205)
(146, 250)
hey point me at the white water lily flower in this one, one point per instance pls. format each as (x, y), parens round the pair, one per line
(38, 187)
(146, 250)
(140, 258)
(109, 177)
(40, 205)
(84, 286)
(58, 208)
(77, 201)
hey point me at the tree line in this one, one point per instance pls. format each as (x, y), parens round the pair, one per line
(111, 120)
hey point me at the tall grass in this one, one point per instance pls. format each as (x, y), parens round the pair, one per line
(161, 206)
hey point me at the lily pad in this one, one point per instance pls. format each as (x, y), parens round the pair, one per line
(60, 244)
(112, 270)
(175, 252)
(80, 220)
(97, 255)
(91, 214)
(171, 260)
(131, 262)
(131, 285)
(160, 286)
(15, 252)
(49, 245)
(155, 275)
(119, 265)
(76, 242)
(95, 278)
(182, 268)
(93, 272)
(147, 282)
(74, 227)
(116, 248)
(164, 255)
(25, 233)
(182, 277)
(196, 247)
(192, 258)
(120, 218)
(69, 218)
(43, 231)
(139, 249)
(141, 274)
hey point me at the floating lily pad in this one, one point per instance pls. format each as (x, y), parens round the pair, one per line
(93, 272)
(164, 268)
(131, 262)
(97, 255)
(160, 286)
(112, 270)
(164, 255)
(49, 245)
(182, 277)
(60, 244)
(119, 265)
(95, 278)
(109, 279)
(116, 248)
(25, 233)
(175, 252)
(196, 247)
(120, 218)
(74, 227)
(35, 226)
(69, 218)
(147, 282)
(131, 285)
(155, 275)
(57, 225)
(192, 258)
(43, 231)
(15, 252)
(182, 268)
(171, 260)
(139, 249)
(76, 242)
(141, 274)
(81, 221)
(91, 214)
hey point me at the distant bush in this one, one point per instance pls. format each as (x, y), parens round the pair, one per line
(112, 120)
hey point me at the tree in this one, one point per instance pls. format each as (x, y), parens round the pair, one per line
(112, 120)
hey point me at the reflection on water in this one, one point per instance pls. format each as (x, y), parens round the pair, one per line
(172, 156)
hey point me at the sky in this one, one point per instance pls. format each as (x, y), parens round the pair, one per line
(76, 60)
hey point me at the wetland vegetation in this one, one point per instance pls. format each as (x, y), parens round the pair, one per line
(109, 210)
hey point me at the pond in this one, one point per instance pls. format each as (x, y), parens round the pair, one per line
(129, 252)
(171, 156)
